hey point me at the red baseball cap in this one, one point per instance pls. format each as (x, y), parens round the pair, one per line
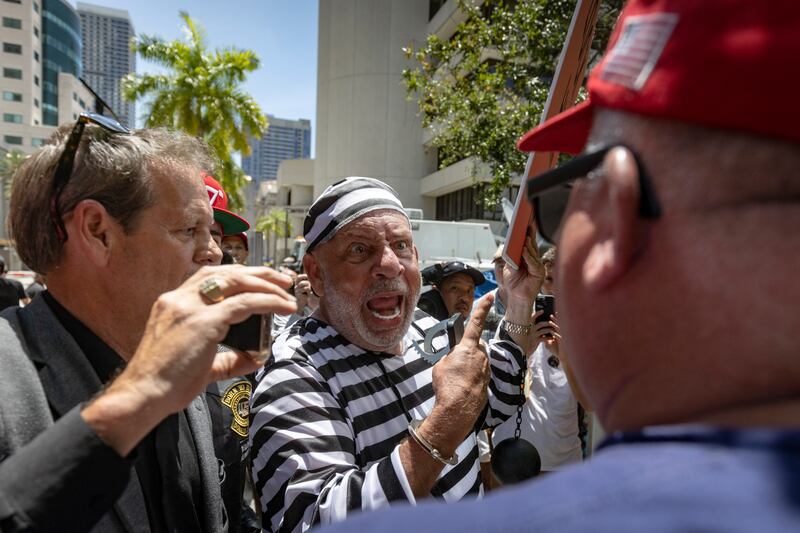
(231, 222)
(242, 236)
(715, 63)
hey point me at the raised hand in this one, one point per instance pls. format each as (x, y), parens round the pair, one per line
(521, 288)
(177, 356)
(302, 290)
(460, 383)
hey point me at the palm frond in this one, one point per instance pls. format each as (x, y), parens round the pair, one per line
(201, 95)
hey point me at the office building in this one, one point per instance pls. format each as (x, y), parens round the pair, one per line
(284, 139)
(40, 61)
(366, 125)
(107, 56)
(61, 52)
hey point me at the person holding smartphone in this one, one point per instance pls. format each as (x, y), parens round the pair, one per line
(307, 302)
(550, 417)
(105, 426)
(682, 206)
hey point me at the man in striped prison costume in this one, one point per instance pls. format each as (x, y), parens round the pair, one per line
(347, 415)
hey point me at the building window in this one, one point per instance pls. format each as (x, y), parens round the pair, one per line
(36, 80)
(14, 1)
(8, 96)
(12, 48)
(36, 55)
(75, 96)
(9, 22)
(36, 142)
(12, 139)
(81, 103)
(13, 73)
(36, 7)
(35, 102)
(468, 203)
(13, 118)
(36, 31)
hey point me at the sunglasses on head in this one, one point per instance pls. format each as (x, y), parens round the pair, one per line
(66, 161)
(549, 192)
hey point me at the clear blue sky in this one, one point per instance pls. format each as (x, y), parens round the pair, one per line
(282, 32)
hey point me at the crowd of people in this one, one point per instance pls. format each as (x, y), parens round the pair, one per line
(124, 407)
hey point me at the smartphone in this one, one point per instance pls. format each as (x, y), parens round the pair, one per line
(455, 329)
(547, 304)
(252, 336)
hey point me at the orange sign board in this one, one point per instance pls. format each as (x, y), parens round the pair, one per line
(563, 93)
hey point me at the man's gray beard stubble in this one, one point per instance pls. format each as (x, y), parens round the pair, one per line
(345, 313)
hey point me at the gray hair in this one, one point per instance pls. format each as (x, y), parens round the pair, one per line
(116, 170)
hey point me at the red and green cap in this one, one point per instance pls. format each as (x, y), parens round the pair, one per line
(231, 222)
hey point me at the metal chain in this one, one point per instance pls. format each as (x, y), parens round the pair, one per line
(522, 372)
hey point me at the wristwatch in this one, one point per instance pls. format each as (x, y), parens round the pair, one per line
(517, 329)
(413, 428)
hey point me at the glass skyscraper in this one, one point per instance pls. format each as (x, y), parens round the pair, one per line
(61, 52)
(285, 139)
(107, 56)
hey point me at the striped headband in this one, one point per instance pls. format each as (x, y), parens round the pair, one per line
(342, 203)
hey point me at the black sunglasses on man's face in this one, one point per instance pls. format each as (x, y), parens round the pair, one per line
(67, 161)
(549, 192)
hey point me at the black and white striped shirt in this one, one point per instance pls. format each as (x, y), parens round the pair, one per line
(327, 418)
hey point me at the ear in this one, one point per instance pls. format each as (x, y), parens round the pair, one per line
(93, 231)
(312, 269)
(618, 227)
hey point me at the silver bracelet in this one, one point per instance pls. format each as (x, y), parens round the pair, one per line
(517, 329)
(427, 446)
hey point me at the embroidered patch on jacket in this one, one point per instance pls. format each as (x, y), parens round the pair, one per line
(638, 49)
(237, 398)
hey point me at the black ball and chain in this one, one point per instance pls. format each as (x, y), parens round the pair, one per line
(515, 460)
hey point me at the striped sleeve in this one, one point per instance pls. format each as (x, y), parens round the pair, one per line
(303, 452)
(505, 361)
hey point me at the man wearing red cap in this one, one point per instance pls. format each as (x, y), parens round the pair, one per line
(680, 309)
(236, 246)
(229, 399)
(226, 222)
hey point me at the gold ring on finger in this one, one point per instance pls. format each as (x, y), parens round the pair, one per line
(211, 290)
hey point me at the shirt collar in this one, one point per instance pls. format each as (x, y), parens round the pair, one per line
(105, 361)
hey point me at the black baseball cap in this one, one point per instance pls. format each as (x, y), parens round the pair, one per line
(436, 274)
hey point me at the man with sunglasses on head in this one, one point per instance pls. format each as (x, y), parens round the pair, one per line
(677, 283)
(104, 426)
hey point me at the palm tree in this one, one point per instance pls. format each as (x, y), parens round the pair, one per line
(274, 225)
(201, 94)
(275, 221)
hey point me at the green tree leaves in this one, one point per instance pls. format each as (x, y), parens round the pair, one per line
(276, 222)
(201, 94)
(479, 91)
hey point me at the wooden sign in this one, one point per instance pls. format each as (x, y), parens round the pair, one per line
(563, 93)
